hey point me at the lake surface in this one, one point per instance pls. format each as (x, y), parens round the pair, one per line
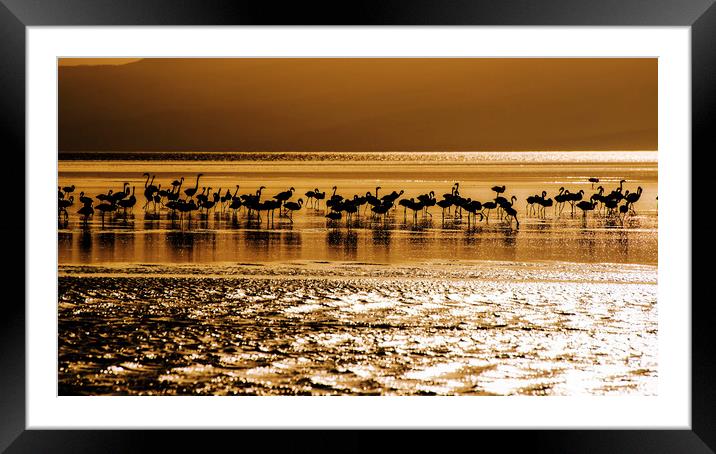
(223, 304)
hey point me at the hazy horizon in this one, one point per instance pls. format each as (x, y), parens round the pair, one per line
(358, 104)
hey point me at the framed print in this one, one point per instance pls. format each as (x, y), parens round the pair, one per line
(448, 225)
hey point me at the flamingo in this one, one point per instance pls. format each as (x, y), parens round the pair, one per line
(560, 198)
(319, 196)
(105, 197)
(86, 211)
(498, 190)
(63, 204)
(489, 206)
(291, 207)
(310, 195)
(106, 207)
(428, 200)
(383, 209)
(503, 203)
(373, 201)
(157, 198)
(410, 204)
(544, 203)
(512, 214)
(473, 207)
(574, 198)
(129, 202)
(610, 204)
(117, 196)
(445, 203)
(283, 197)
(393, 196)
(633, 198)
(586, 206)
(84, 199)
(531, 200)
(335, 198)
(191, 191)
(334, 215)
(405, 203)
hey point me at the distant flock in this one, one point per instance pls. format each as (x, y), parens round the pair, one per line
(182, 203)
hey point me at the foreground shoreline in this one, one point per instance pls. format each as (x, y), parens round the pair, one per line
(479, 328)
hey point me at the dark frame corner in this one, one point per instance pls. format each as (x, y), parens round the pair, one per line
(16, 15)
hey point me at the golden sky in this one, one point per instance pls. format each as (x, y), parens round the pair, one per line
(358, 104)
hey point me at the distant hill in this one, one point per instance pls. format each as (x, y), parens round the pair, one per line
(359, 104)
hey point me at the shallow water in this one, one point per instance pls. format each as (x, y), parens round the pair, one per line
(154, 237)
(483, 328)
(566, 305)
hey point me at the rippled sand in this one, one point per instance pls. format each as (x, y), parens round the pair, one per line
(486, 328)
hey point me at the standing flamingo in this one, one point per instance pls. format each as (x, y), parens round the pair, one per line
(191, 191)
(291, 207)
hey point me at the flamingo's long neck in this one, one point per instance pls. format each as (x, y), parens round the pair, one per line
(146, 183)
(196, 188)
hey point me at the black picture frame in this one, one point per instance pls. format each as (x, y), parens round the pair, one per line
(16, 15)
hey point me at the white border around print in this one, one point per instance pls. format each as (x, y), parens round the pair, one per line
(670, 409)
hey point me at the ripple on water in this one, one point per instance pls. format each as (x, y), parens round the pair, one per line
(431, 329)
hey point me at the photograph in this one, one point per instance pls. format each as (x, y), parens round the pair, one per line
(344, 226)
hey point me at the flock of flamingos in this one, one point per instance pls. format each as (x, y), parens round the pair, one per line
(616, 203)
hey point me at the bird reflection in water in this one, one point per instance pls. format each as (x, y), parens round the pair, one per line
(343, 242)
(509, 238)
(381, 237)
(586, 242)
(418, 238)
(471, 238)
(290, 238)
(106, 243)
(180, 240)
(339, 238)
(151, 221)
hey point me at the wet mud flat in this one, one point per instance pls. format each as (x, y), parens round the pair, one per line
(348, 328)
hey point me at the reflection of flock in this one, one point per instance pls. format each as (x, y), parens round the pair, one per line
(616, 203)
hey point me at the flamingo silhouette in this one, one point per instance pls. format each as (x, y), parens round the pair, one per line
(63, 204)
(633, 198)
(512, 214)
(291, 207)
(319, 196)
(86, 211)
(498, 190)
(84, 199)
(543, 203)
(586, 206)
(191, 191)
(119, 195)
(128, 203)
